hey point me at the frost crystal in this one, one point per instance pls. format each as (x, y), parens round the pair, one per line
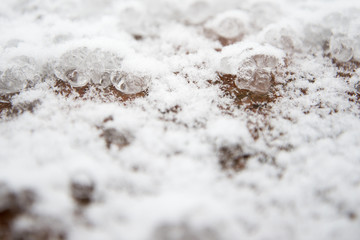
(341, 48)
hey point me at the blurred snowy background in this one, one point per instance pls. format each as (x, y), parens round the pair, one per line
(179, 120)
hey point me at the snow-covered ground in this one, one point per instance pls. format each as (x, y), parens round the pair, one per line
(179, 120)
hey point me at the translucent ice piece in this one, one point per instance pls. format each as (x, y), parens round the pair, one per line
(316, 35)
(245, 75)
(22, 73)
(263, 13)
(112, 64)
(261, 82)
(197, 12)
(100, 64)
(76, 78)
(356, 49)
(12, 80)
(284, 38)
(105, 79)
(357, 87)
(132, 18)
(73, 67)
(94, 64)
(229, 25)
(129, 83)
(341, 48)
(265, 61)
(337, 21)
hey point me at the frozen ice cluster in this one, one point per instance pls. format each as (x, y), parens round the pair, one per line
(179, 120)
(254, 65)
(81, 66)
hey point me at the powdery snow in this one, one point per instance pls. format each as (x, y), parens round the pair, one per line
(207, 147)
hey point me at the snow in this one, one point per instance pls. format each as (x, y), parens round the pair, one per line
(183, 150)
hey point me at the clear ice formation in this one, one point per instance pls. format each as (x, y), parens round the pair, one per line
(129, 83)
(356, 49)
(263, 13)
(283, 38)
(229, 25)
(197, 12)
(254, 73)
(316, 35)
(357, 87)
(253, 69)
(72, 67)
(82, 66)
(23, 72)
(341, 48)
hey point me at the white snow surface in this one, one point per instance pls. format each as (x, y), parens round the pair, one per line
(301, 180)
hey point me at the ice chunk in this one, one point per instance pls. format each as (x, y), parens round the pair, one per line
(265, 61)
(76, 78)
(284, 38)
(253, 77)
(100, 65)
(22, 73)
(230, 24)
(316, 34)
(263, 14)
(356, 49)
(81, 66)
(338, 22)
(72, 67)
(197, 12)
(245, 75)
(341, 48)
(132, 18)
(129, 83)
(357, 87)
(255, 65)
(261, 81)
